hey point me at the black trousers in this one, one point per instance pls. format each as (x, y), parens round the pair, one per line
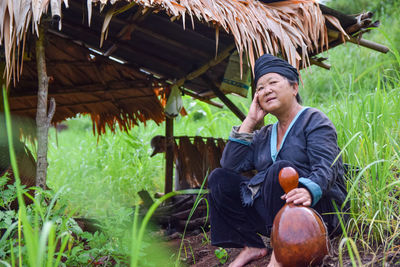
(235, 226)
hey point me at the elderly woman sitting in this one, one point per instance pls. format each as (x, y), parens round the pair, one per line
(303, 138)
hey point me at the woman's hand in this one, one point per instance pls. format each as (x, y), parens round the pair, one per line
(256, 114)
(298, 196)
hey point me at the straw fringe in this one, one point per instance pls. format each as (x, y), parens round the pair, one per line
(258, 28)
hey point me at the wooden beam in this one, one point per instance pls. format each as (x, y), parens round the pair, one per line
(224, 99)
(87, 103)
(161, 20)
(319, 63)
(128, 28)
(77, 28)
(169, 154)
(88, 89)
(100, 58)
(172, 42)
(359, 41)
(369, 44)
(176, 27)
(215, 61)
(205, 100)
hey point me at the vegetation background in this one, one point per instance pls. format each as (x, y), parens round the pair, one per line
(99, 176)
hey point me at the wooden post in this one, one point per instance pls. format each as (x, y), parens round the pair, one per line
(169, 154)
(43, 119)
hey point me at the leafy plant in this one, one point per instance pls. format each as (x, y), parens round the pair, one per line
(221, 254)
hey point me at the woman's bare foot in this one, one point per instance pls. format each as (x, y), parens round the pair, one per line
(248, 254)
(273, 262)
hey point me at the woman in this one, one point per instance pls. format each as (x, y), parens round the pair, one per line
(303, 138)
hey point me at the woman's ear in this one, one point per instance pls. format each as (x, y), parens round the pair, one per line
(295, 88)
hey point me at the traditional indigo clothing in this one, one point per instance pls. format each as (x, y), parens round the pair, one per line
(237, 204)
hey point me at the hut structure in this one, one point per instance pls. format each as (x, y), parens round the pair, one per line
(118, 60)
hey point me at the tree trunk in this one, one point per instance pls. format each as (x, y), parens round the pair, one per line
(43, 119)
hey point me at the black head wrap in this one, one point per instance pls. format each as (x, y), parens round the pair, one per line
(270, 64)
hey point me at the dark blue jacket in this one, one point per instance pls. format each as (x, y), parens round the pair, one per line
(310, 144)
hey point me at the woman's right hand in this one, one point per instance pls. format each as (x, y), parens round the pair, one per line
(256, 114)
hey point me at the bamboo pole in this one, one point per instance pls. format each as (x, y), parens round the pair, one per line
(359, 41)
(369, 44)
(43, 119)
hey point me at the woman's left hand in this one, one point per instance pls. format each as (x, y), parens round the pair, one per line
(298, 196)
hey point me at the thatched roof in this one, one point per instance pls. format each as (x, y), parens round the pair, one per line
(82, 82)
(161, 42)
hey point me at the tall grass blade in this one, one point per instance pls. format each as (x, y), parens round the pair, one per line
(43, 242)
(64, 242)
(22, 217)
(344, 148)
(355, 183)
(352, 247)
(51, 246)
(195, 205)
(12, 253)
(4, 239)
(134, 238)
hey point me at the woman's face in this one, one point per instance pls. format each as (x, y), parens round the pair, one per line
(275, 94)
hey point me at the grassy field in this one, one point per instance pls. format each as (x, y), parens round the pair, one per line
(99, 177)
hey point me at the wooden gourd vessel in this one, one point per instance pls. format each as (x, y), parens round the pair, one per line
(299, 237)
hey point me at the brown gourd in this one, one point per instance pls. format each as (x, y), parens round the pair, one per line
(299, 237)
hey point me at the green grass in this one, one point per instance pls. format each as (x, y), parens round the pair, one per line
(362, 98)
(102, 174)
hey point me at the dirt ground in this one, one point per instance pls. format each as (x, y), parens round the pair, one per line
(200, 253)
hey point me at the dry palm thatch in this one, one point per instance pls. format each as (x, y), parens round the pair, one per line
(293, 28)
(16, 17)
